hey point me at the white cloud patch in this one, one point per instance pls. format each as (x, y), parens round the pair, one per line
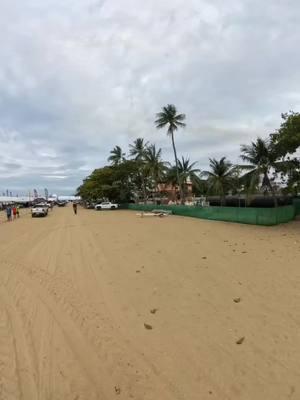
(78, 77)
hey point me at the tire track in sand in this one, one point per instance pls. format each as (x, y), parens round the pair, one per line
(17, 372)
(90, 252)
(9, 377)
(52, 293)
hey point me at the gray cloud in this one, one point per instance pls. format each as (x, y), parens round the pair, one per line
(77, 78)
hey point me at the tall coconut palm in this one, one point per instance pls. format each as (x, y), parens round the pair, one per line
(116, 156)
(154, 165)
(137, 150)
(220, 176)
(262, 157)
(169, 118)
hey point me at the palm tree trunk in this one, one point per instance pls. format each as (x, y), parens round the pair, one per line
(144, 188)
(248, 199)
(222, 199)
(266, 178)
(156, 191)
(177, 171)
(184, 192)
(143, 184)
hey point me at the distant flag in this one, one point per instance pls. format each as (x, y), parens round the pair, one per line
(46, 194)
(7, 192)
(35, 193)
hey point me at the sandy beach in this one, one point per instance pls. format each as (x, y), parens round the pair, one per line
(108, 305)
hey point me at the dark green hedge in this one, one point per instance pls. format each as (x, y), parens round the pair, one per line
(297, 206)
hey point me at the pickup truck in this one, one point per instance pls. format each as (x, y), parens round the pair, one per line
(39, 210)
(106, 205)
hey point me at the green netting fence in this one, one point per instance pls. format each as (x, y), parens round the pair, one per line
(254, 216)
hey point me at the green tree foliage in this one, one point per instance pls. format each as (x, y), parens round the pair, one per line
(266, 160)
(126, 180)
(287, 137)
(138, 148)
(261, 157)
(154, 166)
(187, 173)
(200, 187)
(116, 156)
(289, 171)
(220, 177)
(116, 182)
(286, 141)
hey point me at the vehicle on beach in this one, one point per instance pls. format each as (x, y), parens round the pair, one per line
(61, 203)
(106, 205)
(39, 210)
(89, 206)
(42, 204)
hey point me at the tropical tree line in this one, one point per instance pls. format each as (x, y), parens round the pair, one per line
(268, 165)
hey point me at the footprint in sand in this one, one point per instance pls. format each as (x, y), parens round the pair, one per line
(241, 340)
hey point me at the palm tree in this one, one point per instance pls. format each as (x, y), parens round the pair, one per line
(220, 176)
(261, 157)
(169, 117)
(116, 156)
(249, 185)
(154, 165)
(138, 148)
(186, 172)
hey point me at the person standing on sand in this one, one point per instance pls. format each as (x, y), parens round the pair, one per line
(14, 210)
(18, 211)
(75, 208)
(8, 213)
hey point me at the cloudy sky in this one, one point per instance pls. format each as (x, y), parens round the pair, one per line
(78, 77)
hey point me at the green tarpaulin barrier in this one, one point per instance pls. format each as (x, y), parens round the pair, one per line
(254, 216)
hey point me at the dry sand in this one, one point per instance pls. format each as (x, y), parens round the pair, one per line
(108, 305)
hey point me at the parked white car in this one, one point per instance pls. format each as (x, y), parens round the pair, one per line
(106, 205)
(39, 210)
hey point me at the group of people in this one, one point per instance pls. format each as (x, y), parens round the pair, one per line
(12, 212)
